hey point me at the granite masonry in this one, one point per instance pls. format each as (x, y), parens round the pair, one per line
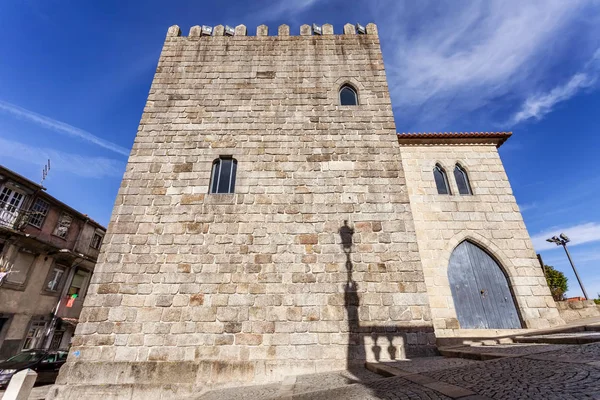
(313, 263)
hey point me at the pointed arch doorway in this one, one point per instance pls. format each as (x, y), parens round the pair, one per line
(482, 297)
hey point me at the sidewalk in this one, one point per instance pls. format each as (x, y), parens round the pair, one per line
(520, 371)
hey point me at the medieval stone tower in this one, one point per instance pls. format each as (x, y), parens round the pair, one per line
(264, 226)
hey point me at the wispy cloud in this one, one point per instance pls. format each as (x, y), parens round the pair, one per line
(88, 167)
(579, 234)
(446, 59)
(288, 9)
(527, 207)
(538, 105)
(60, 127)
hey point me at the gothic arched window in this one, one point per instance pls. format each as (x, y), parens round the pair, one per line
(462, 180)
(441, 180)
(348, 96)
(222, 178)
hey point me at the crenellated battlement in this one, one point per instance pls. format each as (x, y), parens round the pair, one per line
(263, 30)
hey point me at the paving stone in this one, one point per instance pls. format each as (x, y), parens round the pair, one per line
(260, 392)
(588, 353)
(388, 388)
(417, 365)
(524, 378)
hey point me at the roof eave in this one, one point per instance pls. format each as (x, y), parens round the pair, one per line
(469, 138)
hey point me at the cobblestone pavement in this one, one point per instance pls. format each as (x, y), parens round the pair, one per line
(419, 365)
(535, 372)
(395, 388)
(588, 353)
(525, 378)
(301, 384)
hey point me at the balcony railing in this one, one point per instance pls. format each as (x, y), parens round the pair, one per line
(13, 217)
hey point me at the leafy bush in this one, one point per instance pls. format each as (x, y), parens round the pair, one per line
(557, 282)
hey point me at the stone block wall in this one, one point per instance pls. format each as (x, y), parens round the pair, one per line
(579, 309)
(311, 265)
(489, 218)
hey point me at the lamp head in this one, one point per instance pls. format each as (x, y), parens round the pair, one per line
(565, 237)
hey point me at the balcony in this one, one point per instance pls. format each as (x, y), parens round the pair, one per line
(69, 312)
(13, 217)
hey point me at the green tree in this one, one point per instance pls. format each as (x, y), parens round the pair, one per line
(557, 282)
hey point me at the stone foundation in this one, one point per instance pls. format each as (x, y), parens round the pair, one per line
(580, 309)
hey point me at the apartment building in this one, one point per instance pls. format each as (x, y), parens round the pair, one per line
(47, 254)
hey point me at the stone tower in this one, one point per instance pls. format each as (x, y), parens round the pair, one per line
(311, 264)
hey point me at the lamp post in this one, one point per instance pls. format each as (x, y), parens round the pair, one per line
(562, 241)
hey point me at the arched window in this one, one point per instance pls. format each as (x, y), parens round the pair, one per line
(462, 180)
(222, 178)
(441, 180)
(348, 96)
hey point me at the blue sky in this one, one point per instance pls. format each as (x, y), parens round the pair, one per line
(74, 77)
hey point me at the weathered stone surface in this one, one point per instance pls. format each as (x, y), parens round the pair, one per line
(283, 30)
(262, 30)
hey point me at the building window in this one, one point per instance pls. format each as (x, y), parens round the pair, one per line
(78, 284)
(54, 279)
(10, 204)
(62, 228)
(462, 180)
(96, 241)
(348, 96)
(222, 179)
(441, 180)
(39, 210)
(18, 271)
(35, 335)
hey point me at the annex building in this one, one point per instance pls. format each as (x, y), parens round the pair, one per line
(272, 222)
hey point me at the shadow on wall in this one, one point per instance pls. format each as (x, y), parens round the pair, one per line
(381, 341)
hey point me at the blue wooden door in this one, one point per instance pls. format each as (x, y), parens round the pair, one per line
(480, 291)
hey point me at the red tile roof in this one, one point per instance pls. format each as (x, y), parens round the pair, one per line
(428, 137)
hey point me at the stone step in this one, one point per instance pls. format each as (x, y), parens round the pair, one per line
(593, 328)
(562, 338)
(484, 353)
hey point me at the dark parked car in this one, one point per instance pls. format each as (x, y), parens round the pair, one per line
(45, 363)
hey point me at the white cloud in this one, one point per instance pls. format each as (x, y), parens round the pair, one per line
(61, 127)
(538, 105)
(445, 59)
(579, 234)
(88, 167)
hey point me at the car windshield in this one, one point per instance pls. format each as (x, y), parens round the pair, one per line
(27, 356)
